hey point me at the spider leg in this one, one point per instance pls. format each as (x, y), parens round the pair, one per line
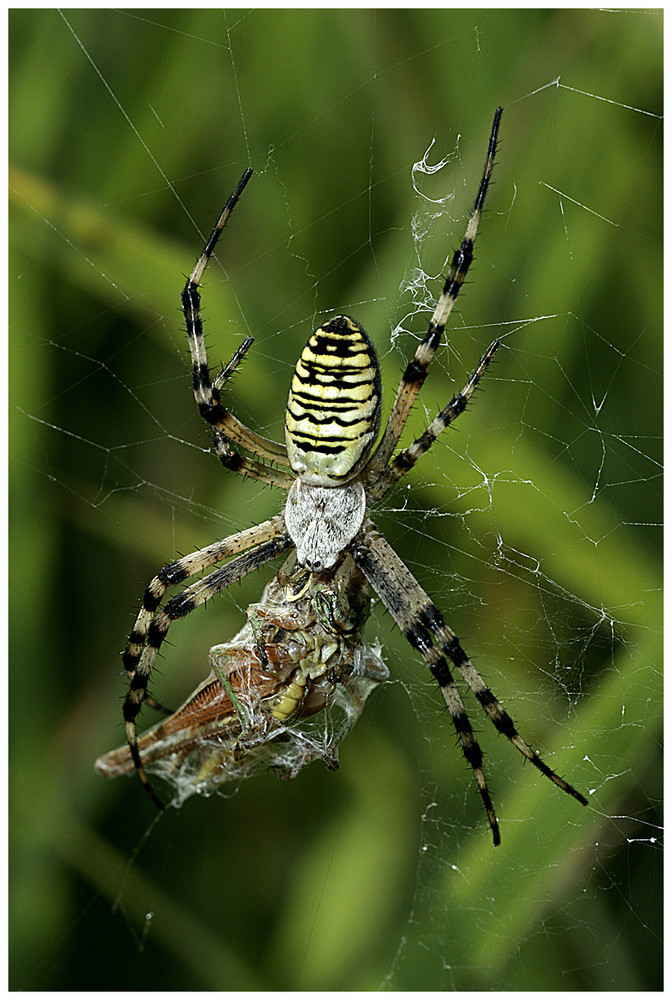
(416, 371)
(235, 429)
(228, 370)
(207, 394)
(407, 458)
(150, 627)
(450, 644)
(235, 462)
(420, 619)
(184, 568)
(401, 594)
(151, 701)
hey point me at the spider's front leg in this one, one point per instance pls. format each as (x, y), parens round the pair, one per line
(266, 541)
(425, 629)
(399, 591)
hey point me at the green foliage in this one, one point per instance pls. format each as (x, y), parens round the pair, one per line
(535, 524)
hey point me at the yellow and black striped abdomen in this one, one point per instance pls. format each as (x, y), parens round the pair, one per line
(333, 411)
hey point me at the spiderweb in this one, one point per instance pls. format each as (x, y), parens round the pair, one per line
(534, 524)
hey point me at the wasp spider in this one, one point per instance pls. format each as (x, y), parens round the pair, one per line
(333, 473)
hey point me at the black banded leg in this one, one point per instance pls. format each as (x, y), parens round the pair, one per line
(420, 639)
(225, 422)
(400, 592)
(184, 568)
(178, 607)
(407, 458)
(186, 602)
(208, 398)
(417, 615)
(235, 462)
(416, 371)
(207, 393)
(446, 638)
(148, 636)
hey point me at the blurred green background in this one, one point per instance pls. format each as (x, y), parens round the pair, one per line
(535, 525)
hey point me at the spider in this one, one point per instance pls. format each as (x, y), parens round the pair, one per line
(333, 473)
(285, 691)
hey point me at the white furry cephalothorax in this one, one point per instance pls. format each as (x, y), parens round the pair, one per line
(321, 521)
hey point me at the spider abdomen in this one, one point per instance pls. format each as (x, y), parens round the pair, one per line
(333, 411)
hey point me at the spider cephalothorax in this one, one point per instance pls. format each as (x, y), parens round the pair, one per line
(333, 472)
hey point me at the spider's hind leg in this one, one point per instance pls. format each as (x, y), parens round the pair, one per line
(416, 371)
